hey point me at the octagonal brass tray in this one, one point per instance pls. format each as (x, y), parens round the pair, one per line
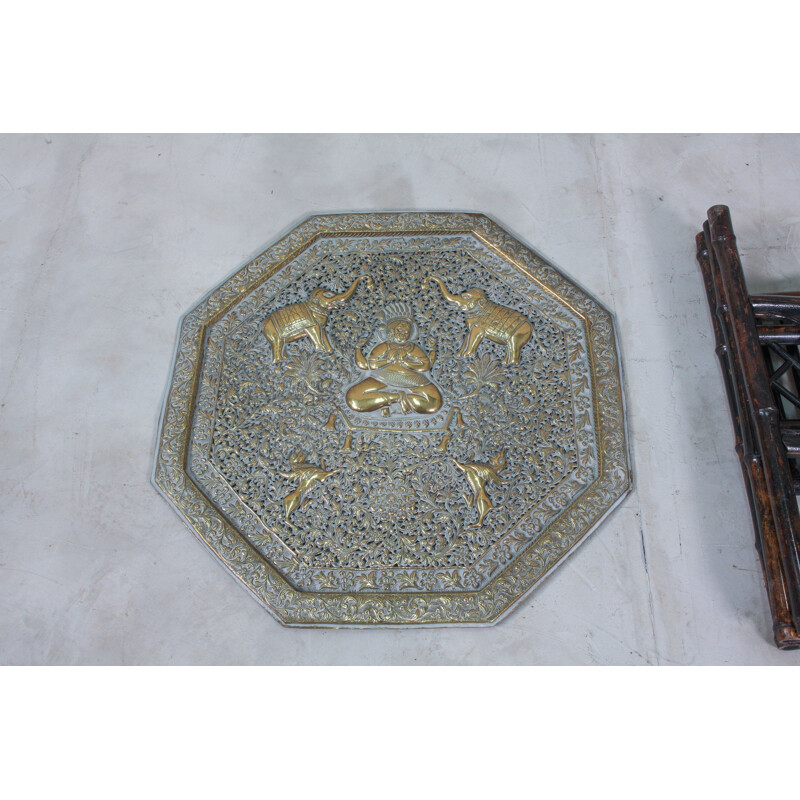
(394, 419)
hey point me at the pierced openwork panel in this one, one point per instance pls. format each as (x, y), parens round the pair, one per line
(394, 419)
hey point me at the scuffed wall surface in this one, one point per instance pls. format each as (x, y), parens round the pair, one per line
(107, 240)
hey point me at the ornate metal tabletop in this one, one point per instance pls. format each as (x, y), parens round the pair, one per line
(394, 419)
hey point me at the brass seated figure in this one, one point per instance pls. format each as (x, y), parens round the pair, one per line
(398, 370)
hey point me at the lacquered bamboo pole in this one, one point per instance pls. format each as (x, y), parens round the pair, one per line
(784, 630)
(772, 484)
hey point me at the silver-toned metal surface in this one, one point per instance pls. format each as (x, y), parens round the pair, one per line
(394, 419)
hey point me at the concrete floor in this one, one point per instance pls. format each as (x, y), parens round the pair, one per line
(106, 240)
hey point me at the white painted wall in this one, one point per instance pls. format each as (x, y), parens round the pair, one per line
(106, 240)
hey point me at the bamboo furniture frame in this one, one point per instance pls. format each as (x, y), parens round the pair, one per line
(757, 339)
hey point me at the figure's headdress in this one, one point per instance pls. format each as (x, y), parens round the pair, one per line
(396, 311)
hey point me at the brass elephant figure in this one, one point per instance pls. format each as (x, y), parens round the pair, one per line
(484, 318)
(306, 318)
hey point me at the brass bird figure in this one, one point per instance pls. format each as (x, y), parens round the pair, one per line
(309, 476)
(477, 476)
